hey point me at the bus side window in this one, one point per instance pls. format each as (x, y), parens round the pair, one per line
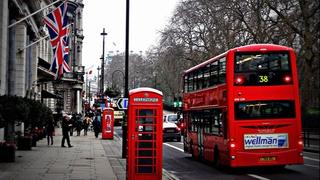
(186, 84)
(194, 122)
(222, 70)
(200, 80)
(190, 122)
(213, 73)
(216, 122)
(206, 76)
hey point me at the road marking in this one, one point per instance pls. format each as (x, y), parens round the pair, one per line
(312, 159)
(251, 175)
(173, 147)
(257, 177)
(311, 166)
(169, 175)
(304, 152)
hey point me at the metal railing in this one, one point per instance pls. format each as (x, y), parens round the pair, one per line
(311, 137)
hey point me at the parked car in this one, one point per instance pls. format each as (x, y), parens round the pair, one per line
(170, 118)
(171, 131)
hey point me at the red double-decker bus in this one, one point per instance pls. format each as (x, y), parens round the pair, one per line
(242, 108)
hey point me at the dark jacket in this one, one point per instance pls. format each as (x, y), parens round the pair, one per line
(96, 124)
(50, 127)
(65, 126)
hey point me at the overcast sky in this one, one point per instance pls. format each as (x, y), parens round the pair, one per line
(147, 18)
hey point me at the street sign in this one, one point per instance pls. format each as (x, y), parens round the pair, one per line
(122, 103)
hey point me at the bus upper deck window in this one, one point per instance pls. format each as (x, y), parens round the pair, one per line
(256, 68)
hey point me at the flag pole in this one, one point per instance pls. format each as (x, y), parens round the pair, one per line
(35, 42)
(31, 44)
(30, 15)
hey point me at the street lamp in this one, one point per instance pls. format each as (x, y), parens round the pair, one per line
(102, 63)
(98, 79)
(86, 85)
(126, 89)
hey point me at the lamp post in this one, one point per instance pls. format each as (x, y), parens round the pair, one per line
(98, 78)
(102, 63)
(89, 92)
(86, 85)
(126, 89)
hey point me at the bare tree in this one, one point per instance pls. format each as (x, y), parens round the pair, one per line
(200, 29)
(204, 28)
(301, 19)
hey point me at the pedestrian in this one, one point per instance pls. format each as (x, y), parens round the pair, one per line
(65, 131)
(72, 122)
(86, 123)
(50, 131)
(78, 124)
(96, 126)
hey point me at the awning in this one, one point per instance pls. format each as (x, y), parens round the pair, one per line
(43, 70)
(47, 94)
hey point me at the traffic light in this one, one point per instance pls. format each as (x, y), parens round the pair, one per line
(175, 103)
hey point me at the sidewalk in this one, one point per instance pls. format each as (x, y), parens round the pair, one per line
(86, 160)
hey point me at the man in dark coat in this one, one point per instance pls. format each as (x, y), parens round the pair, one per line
(96, 126)
(78, 124)
(50, 131)
(65, 131)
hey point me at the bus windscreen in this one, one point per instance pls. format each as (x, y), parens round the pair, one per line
(264, 110)
(261, 69)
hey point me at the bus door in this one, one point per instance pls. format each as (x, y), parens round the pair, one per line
(200, 134)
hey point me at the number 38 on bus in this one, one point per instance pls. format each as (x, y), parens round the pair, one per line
(242, 108)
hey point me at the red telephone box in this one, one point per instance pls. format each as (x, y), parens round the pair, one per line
(145, 134)
(107, 123)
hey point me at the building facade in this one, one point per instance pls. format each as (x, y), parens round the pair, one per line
(26, 55)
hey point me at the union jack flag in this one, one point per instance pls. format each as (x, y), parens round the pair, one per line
(57, 24)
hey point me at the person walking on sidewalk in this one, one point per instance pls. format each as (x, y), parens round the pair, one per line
(86, 123)
(78, 124)
(50, 131)
(72, 122)
(65, 131)
(96, 126)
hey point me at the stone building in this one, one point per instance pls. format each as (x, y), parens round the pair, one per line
(26, 55)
